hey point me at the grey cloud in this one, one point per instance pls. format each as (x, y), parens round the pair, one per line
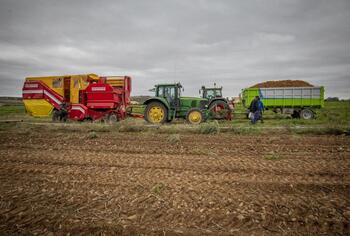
(233, 43)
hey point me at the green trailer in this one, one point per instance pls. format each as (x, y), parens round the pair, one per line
(300, 102)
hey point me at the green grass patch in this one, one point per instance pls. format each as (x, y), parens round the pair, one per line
(174, 138)
(158, 188)
(130, 125)
(212, 127)
(92, 135)
(7, 110)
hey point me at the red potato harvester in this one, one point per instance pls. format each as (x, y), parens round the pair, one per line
(102, 98)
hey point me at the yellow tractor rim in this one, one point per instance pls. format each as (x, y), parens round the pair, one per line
(156, 114)
(195, 117)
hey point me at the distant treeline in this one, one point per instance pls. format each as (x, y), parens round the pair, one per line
(335, 99)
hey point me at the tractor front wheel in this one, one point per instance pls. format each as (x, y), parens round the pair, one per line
(156, 113)
(195, 116)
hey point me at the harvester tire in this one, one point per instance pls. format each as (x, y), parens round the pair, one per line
(112, 119)
(307, 114)
(55, 116)
(156, 113)
(219, 109)
(195, 116)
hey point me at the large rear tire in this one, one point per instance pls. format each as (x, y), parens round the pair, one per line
(307, 114)
(219, 109)
(156, 113)
(195, 116)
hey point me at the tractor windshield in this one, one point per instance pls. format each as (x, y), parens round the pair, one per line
(212, 93)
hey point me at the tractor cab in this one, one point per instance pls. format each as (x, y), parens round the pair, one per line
(210, 93)
(170, 92)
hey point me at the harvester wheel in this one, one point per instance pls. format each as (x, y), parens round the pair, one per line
(195, 116)
(307, 114)
(55, 116)
(219, 109)
(112, 119)
(156, 113)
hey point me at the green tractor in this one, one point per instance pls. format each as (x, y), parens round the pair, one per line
(219, 108)
(168, 105)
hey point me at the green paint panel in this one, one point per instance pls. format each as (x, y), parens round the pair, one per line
(285, 97)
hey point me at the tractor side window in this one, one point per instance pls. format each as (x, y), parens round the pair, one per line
(169, 94)
(161, 92)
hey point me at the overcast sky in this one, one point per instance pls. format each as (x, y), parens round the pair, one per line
(233, 43)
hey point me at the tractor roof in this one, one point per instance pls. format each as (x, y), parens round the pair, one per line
(174, 84)
(211, 88)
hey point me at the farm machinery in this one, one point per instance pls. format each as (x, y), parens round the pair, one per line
(78, 97)
(299, 102)
(219, 107)
(167, 104)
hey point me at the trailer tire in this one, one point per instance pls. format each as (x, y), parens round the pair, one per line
(307, 114)
(156, 113)
(296, 114)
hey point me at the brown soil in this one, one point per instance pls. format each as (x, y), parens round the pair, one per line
(283, 83)
(140, 183)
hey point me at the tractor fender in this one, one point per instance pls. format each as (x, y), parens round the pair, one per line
(217, 99)
(161, 100)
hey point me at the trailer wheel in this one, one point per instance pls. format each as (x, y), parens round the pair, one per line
(295, 114)
(307, 114)
(156, 113)
(195, 116)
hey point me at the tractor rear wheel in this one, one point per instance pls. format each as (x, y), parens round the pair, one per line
(156, 113)
(195, 116)
(219, 109)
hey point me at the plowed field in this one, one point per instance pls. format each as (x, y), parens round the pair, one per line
(58, 182)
